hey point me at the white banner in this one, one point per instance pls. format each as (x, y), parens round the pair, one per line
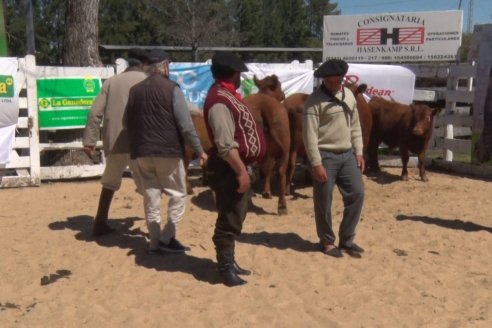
(294, 77)
(388, 81)
(9, 100)
(393, 37)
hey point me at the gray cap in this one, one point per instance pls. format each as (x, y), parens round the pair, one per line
(157, 55)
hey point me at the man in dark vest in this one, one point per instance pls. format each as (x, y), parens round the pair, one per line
(159, 123)
(238, 142)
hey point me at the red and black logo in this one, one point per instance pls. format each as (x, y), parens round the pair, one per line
(380, 36)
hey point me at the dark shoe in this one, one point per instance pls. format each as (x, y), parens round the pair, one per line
(354, 247)
(354, 250)
(174, 246)
(230, 278)
(240, 270)
(335, 252)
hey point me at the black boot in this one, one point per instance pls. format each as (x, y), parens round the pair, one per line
(240, 270)
(101, 226)
(227, 270)
(236, 266)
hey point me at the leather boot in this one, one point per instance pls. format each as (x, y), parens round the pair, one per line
(101, 226)
(235, 265)
(226, 268)
(239, 270)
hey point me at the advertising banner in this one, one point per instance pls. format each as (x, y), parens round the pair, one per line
(294, 77)
(393, 37)
(64, 103)
(388, 81)
(194, 79)
(9, 100)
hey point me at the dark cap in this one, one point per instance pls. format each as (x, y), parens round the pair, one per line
(228, 60)
(138, 54)
(157, 55)
(332, 67)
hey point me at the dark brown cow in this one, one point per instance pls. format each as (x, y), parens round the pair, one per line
(201, 131)
(272, 115)
(407, 127)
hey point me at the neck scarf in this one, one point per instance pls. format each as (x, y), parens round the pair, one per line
(231, 87)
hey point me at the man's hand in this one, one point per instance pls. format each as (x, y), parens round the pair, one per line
(361, 164)
(89, 150)
(244, 182)
(320, 174)
(203, 158)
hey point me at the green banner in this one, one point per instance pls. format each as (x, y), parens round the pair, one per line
(3, 35)
(64, 103)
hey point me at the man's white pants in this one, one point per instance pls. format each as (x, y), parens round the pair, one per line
(167, 175)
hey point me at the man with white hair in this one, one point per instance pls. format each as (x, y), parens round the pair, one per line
(159, 123)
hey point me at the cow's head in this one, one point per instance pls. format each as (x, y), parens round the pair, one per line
(271, 86)
(423, 116)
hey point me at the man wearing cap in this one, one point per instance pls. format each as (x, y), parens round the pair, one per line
(109, 108)
(159, 123)
(238, 142)
(333, 140)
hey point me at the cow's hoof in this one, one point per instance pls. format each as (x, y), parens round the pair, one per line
(283, 210)
(189, 191)
(424, 179)
(266, 195)
(404, 177)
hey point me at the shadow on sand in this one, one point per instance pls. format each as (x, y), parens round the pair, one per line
(134, 240)
(446, 223)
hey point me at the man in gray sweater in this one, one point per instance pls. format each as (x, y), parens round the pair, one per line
(333, 140)
(109, 108)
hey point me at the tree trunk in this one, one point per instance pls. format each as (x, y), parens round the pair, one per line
(80, 46)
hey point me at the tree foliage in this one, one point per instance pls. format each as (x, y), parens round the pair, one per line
(191, 23)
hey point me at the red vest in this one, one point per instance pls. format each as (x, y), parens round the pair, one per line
(247, 133)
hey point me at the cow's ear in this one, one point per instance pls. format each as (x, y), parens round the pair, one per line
(436, 111)
(361, 88)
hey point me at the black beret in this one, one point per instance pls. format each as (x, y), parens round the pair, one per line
(138, 54)
(332, 67)
(157, 55)
(229, 60)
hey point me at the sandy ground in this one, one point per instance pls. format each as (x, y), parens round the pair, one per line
(427, 262)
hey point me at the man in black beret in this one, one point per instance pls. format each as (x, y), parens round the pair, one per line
(333, 140)
(238, 142)
(109, 109)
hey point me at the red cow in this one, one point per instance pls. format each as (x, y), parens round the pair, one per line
(271, 86)
(269, 112)
(408, 127)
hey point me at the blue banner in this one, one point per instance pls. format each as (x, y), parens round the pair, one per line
(194, 79)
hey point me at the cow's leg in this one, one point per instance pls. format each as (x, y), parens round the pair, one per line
(372, 153)
(421, 165)
(291, 168)
(404, 161)
(282, 183)
(267, 171)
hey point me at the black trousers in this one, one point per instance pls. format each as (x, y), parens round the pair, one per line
(231, 205)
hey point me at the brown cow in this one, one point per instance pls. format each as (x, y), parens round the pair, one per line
(271, 86)
(295, 107)
(269, 112)
(407, 127)
(201, 131)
